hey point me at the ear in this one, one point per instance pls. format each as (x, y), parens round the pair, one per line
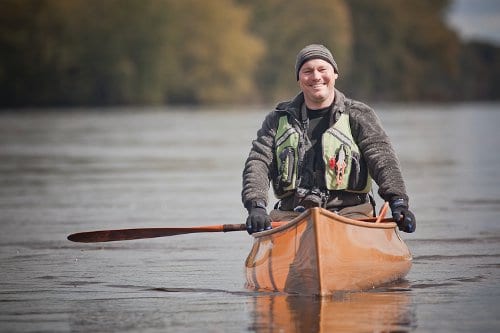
(336, 76)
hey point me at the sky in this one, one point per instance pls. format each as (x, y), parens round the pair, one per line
(476, 19)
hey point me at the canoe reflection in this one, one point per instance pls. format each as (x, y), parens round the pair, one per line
(343, 312)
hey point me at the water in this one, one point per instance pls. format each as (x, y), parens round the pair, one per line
(104, 169)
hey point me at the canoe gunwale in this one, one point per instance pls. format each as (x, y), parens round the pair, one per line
(334, 216)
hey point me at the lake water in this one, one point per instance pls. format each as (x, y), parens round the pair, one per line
(80, 170)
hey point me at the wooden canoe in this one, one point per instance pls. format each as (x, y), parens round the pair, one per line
(320, 252)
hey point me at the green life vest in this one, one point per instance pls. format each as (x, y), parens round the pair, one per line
(287, 144)
(343, 164)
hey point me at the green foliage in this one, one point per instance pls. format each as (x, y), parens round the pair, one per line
(83, 52)
(94, 52)
(480, 72)
(210, 57)
(287, 26)
(403, 50)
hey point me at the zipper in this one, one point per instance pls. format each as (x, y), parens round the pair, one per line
(340, 136)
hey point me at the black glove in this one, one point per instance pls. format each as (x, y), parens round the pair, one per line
(258, 219)
(401, 214)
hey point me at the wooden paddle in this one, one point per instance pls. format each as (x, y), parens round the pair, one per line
(142, 233)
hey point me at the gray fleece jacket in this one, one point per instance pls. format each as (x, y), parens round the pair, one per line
(260, 167)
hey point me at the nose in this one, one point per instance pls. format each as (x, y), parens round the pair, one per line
(316, 75)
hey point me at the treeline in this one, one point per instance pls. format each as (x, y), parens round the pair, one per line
(143, 52)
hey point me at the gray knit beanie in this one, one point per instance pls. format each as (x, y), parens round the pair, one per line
(314, 51)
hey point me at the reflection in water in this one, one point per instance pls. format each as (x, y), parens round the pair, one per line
(380, 311)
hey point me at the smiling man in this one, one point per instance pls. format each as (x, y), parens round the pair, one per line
(321, 149)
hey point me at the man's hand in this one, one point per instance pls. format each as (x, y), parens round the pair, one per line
(258, 219)
(403, 216)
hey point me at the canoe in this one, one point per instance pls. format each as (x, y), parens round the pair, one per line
(320, 252)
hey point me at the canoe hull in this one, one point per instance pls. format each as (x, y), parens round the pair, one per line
(320, 253)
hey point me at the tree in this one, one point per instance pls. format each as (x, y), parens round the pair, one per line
(91, 52)
(403, 50)
(287, 26)
(211, 56)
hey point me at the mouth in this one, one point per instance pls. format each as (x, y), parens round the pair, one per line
(317, 85)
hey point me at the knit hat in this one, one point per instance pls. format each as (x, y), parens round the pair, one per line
(314, 51)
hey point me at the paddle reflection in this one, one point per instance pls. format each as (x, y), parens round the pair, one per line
(387, 311)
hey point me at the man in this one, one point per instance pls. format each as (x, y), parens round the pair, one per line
(321, 149)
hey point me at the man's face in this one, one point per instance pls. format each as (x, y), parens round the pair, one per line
(317, 82)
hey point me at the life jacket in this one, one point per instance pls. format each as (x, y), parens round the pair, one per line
(345, 169)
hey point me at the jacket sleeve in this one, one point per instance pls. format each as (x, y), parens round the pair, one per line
(377, 150)
(259, 165)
